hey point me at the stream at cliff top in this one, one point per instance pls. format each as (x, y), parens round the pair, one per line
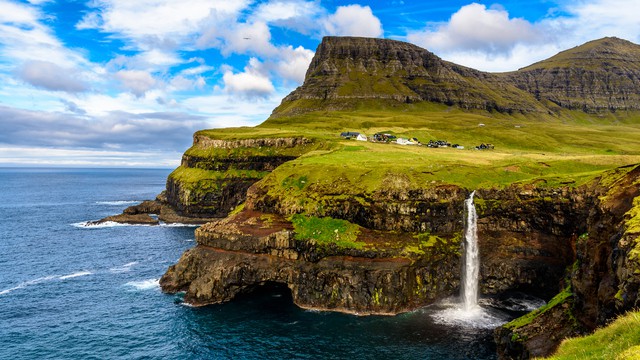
(67, 291)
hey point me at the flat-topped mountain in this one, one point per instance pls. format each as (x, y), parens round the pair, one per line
(601, 75)
(346, 72)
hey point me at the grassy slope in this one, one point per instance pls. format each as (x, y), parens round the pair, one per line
(573, 147)
(619, 340)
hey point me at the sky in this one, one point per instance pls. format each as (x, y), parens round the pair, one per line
(125, 83)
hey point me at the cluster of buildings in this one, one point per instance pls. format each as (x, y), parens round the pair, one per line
(380, 137)
(389, 138)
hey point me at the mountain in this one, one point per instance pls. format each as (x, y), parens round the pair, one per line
(601, 75)
(349, 70)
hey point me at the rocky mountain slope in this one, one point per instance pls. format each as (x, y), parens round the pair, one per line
(601, 75)
(348, 70)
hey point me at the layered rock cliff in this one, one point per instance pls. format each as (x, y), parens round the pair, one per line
(346, 71)
(215, 174)
(526, 242)
(603, 281)
(599, 76)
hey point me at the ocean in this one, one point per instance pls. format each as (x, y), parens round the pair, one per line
(69, 291)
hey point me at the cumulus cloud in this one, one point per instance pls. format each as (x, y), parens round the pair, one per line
(588, 20)
(291, 14)
(252, 83)
(136, 81)
(139, 21)
(353, 20)
(293, 63)
(476, 28)
(50, 76)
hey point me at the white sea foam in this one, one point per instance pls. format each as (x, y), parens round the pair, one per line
(145, 284)
(24, 284)
(93, 224)
(177, 225)
(100, 225)
(475, 317)
(118, 202)
(124, 268)
(75, 275)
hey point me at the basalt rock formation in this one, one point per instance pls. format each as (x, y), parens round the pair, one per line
(348, 70)
(526, 233)
(599, 76)
(604, 279)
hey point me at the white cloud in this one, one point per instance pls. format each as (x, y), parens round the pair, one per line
(251, 83)
(594, 19)
(353, 20)
(476, 28)
(23, 37)
(136, 81)
(52, 77)
(149, 21)
(293, 63)
(489, 39)
(296, 15)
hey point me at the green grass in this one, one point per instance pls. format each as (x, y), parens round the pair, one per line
(619, 340)
(528, 318)
(326, 231)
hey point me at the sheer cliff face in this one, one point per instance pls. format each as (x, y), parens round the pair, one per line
(601, 75)
(349, 69)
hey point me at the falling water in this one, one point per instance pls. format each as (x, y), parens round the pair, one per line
(471, 263)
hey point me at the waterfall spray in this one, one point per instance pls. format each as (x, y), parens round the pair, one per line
(471, 261)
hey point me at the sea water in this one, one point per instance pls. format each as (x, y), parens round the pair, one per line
(68, 291)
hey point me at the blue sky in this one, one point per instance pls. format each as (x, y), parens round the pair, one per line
(127, 82)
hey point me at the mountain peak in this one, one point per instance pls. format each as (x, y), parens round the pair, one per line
(599, 76)
(610, 50)
(347, 72)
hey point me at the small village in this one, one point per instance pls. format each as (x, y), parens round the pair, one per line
(392, 139)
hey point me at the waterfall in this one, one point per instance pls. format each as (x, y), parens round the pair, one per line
(471, 260)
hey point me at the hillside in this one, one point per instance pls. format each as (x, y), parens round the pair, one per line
(600, 76)
(346, 71)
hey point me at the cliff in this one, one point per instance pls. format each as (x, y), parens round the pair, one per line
(603, 281)
(599, 76)
(346, 71)
(390, 265)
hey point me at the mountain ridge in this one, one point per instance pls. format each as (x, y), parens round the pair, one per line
(599, 76)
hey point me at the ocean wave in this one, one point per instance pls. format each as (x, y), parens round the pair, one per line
(24, 284)
(119, 202)
(124, 268)
(145, 284)
(177, 225)
(75, 275)
(93, 224)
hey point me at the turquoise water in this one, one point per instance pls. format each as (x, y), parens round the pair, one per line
(73, 292)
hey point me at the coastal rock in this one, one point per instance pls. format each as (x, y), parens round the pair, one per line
(603, 280)
(238, 254)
